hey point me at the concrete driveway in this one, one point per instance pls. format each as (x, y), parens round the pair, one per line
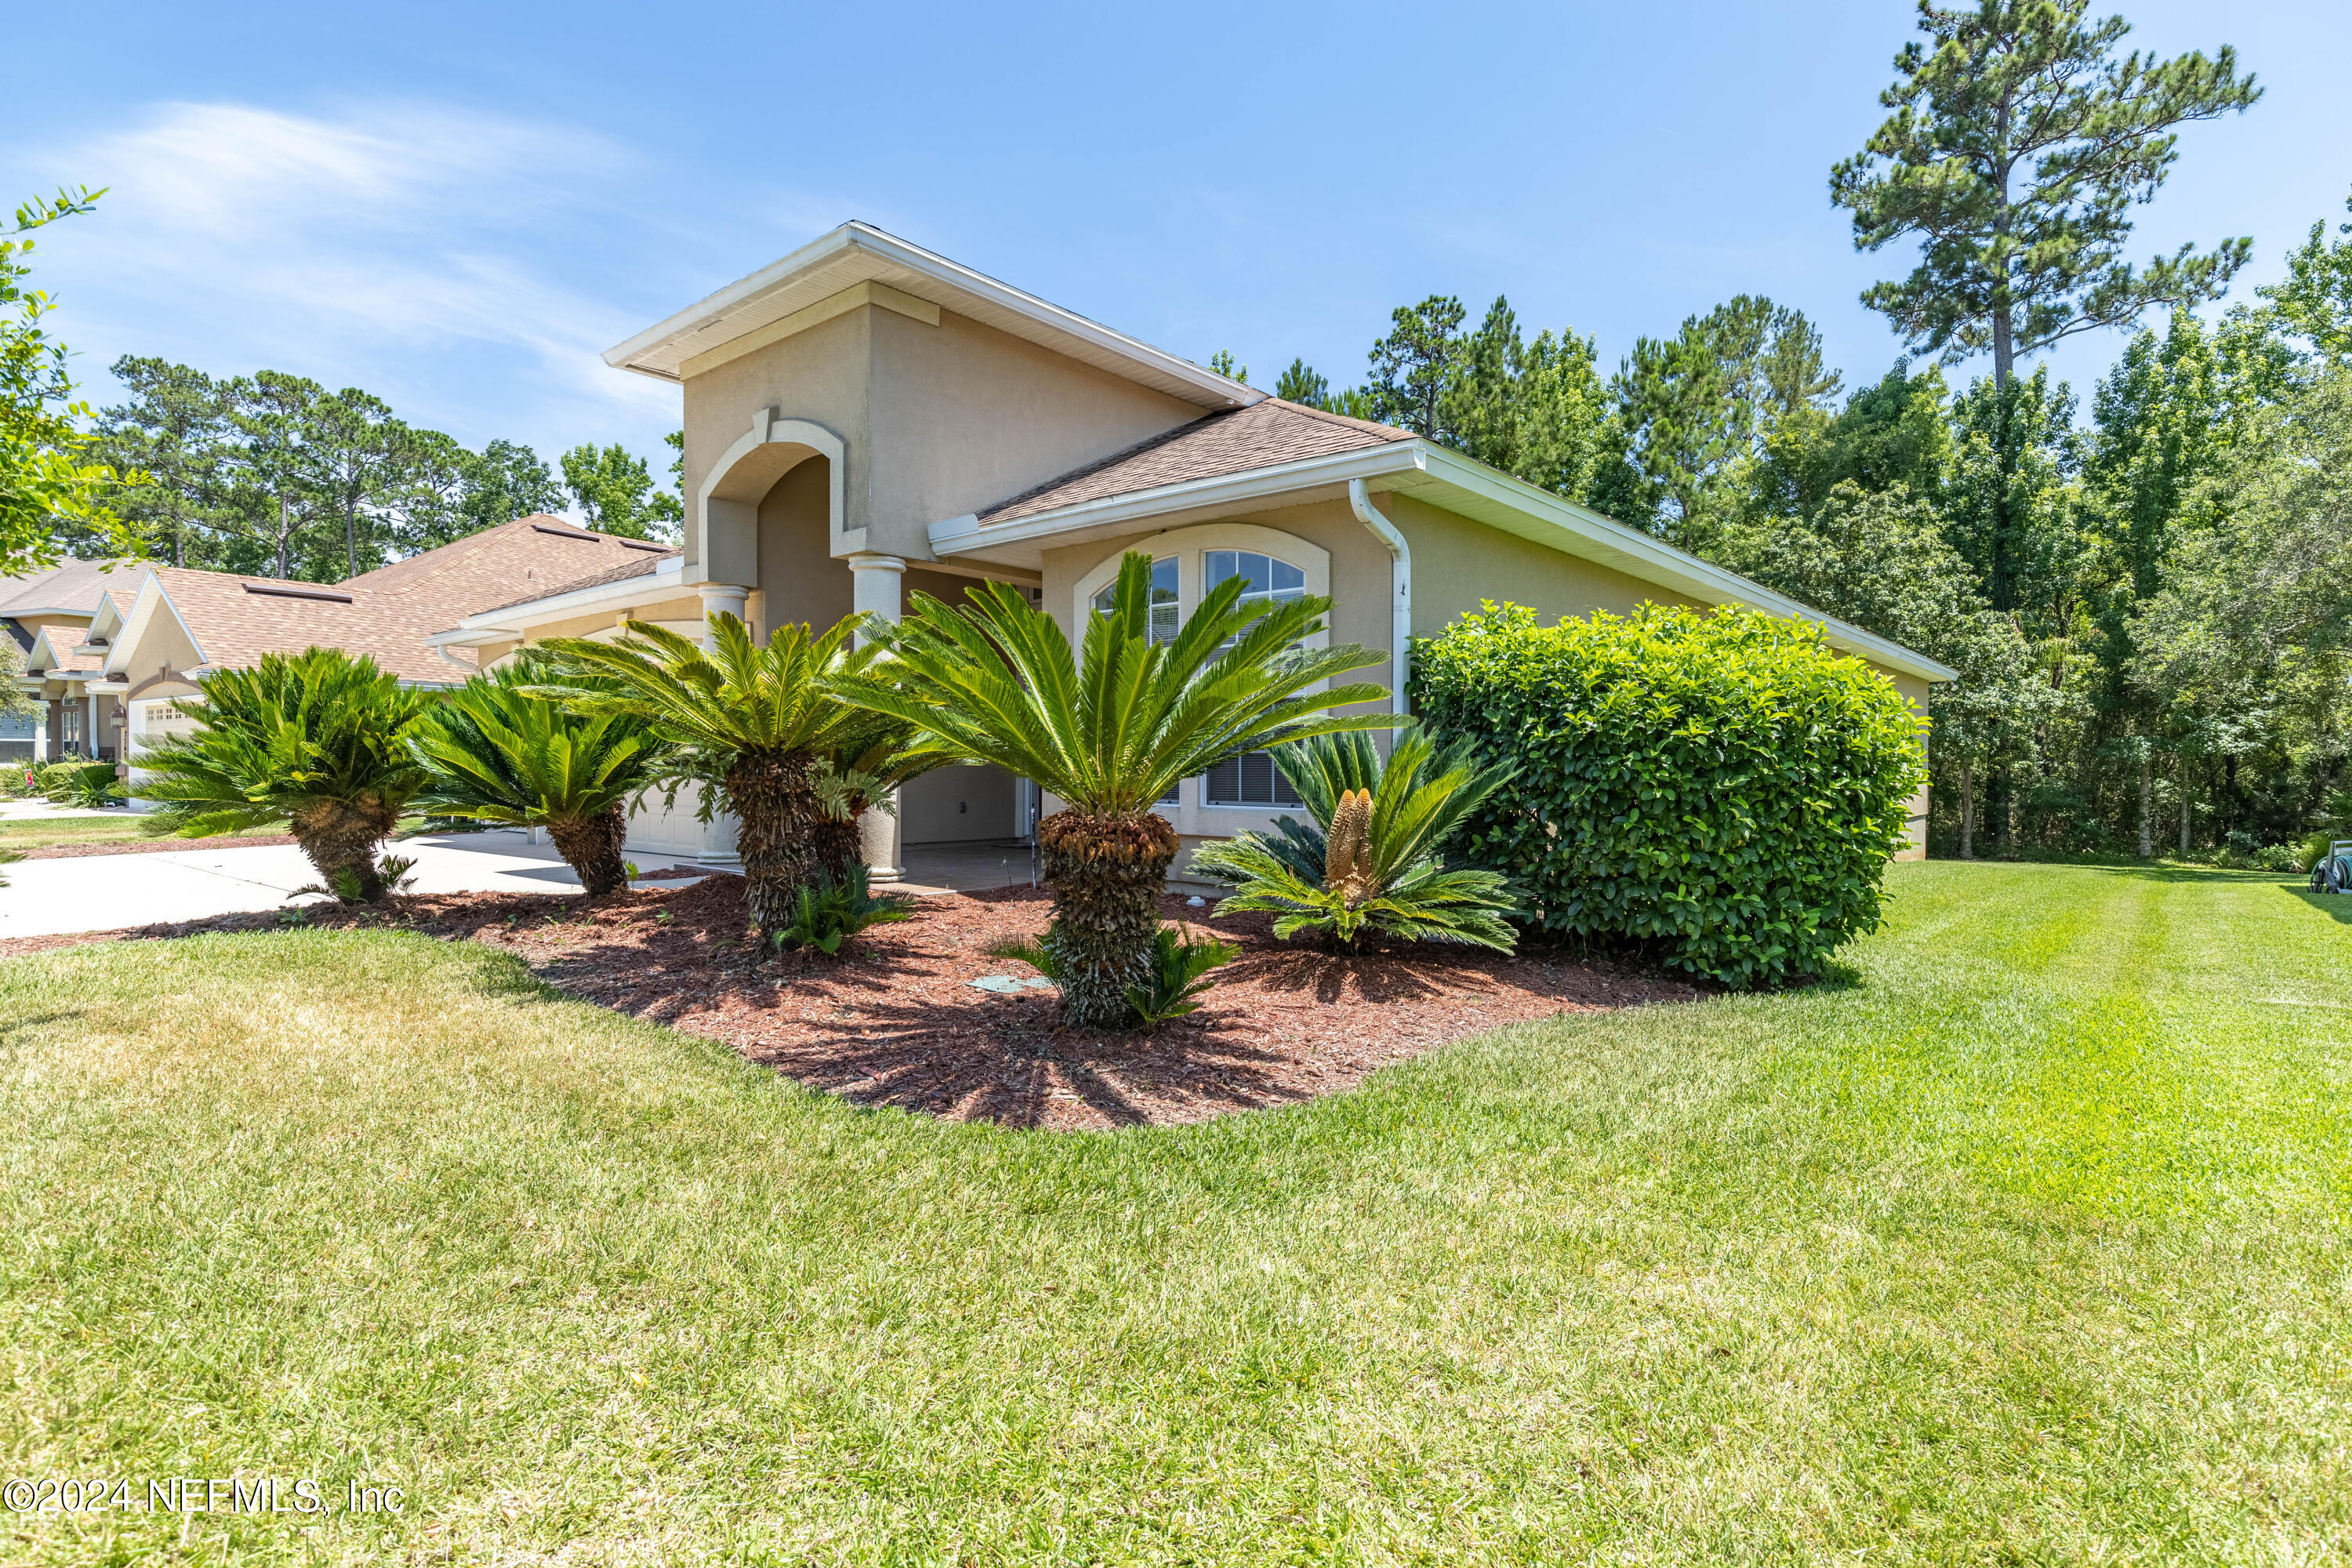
(99, 892)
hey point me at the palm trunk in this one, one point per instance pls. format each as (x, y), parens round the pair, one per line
(1106, 873)
(839, 846)
(591, 845)
(339, 838)
(777, 810)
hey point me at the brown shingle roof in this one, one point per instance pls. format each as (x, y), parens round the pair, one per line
(644, 565)
(69, 586)
(1232, 441)
(388, 613)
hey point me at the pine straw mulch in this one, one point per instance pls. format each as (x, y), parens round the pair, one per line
(892, 1021)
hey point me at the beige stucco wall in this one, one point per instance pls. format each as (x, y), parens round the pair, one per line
(1456, 562)
(156, 644)
(799, 578)
(937, 420)
(957, 804)
(1914, 691)
(964, 416)
(820, 375)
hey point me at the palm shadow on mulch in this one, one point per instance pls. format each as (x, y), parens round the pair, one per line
(894, 1020)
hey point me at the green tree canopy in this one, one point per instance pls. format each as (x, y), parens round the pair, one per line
(49, 489)
(2018, 143)
(615, 491)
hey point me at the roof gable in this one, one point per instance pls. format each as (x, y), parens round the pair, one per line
(859, 253)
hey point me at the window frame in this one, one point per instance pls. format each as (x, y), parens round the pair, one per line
(1193, 814)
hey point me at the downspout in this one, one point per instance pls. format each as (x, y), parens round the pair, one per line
(1399, 592)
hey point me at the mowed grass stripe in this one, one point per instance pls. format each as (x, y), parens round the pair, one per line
(2028, 1244)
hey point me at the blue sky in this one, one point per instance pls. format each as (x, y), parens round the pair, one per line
(457, 207)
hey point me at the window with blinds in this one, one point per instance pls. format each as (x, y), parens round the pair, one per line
(1164, 619)
(1252, 779)
(1163, 600)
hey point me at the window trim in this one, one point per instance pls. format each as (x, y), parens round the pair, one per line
(1192, 813)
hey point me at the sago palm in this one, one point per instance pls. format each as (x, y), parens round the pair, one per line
(499, 752)
(1371, 860)
(763, 729)
(1110, 729)
(316, 740)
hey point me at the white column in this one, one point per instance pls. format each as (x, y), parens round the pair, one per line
(89, 726)
(874, 585)
(720, 599)
(875, 590)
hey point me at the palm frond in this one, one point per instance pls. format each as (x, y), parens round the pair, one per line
(293, 731)
(1401, 887)
(1110, 725)
(499, 750)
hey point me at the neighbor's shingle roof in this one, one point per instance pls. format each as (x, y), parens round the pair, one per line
(69, 586)
(388, 613)
(1232, 441)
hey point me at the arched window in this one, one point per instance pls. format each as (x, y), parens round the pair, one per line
(1164, 618)
(1252, 779)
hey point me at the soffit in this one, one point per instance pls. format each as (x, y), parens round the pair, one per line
(857, 253)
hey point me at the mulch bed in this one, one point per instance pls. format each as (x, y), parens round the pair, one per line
(893, 1022)
(154, 846)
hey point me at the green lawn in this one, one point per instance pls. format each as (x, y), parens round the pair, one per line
(2030, 1247)
(46, 832)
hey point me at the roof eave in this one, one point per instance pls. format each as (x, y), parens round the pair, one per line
(1493, 498)
(1216, 391)
(512, 618)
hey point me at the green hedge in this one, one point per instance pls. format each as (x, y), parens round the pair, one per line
(1723, 784)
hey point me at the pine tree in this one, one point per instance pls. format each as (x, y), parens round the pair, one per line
(2018, 145)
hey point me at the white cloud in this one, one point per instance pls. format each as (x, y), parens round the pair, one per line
(416, 250)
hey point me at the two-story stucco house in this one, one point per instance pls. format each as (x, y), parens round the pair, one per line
(864, 420)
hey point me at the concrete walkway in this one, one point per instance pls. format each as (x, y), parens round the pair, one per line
(99, 892)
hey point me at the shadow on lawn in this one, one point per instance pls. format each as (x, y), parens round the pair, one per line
(2337, 907)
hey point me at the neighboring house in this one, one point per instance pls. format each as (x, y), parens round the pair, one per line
(864, 420)
(118, 681)
(49, 613)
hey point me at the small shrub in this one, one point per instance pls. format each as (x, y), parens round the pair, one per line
(1724, 786)
(1178, 976)
(89, 785)
(825, 913)
(1370, 861)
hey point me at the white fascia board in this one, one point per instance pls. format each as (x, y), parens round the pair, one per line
(1460, 485)
(967, 535)
(1653, 560)
(153, 599)
(888, 247)
(509, 622)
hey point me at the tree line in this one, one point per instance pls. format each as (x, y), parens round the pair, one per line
(2147, 606)
(275, 475)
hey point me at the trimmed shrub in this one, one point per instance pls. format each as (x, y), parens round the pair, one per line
(1724, 786)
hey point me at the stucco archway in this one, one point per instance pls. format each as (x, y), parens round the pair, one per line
(725, 546)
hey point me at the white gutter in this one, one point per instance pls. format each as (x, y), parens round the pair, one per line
(1359, 500)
